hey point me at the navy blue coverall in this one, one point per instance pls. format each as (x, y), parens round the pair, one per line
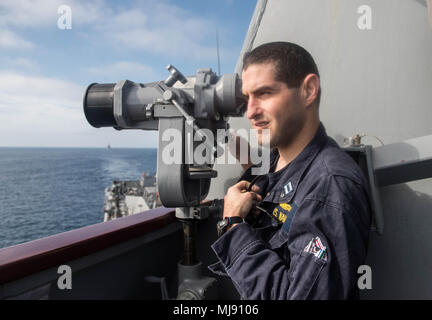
(318, 238)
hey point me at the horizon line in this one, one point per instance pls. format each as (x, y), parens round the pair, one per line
(76, 147)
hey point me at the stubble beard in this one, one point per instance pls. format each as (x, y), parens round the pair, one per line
(288, 132)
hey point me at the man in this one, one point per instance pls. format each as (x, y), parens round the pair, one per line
(311, 233)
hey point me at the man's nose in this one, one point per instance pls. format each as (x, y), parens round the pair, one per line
(253, 109)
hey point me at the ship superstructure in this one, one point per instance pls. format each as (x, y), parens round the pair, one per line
(128, 197)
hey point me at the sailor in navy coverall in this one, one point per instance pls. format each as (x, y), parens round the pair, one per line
(311, 233)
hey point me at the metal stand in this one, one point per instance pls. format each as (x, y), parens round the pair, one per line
(192, 284)
(189, 248)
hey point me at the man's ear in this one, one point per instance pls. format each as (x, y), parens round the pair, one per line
(310, 88)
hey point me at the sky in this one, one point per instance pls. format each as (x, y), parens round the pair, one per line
(47, 60)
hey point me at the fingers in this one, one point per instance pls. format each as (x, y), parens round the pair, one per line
(255, 197)
(239, 201)
(255, 188)
(244, 186)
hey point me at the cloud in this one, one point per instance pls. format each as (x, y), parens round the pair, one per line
(39, 104)
(40, 87)
(42, 111)
(18, 15)
(21, 62)
(163, 29)
(157, 27)
(124, 70)
(9, 39)
(43, 13)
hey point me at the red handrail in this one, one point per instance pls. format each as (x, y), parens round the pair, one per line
(27, 258)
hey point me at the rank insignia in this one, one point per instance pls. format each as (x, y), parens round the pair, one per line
(288, 187)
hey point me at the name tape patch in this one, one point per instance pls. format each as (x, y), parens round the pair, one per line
(284, 211)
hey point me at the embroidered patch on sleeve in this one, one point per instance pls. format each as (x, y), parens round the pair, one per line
(316, 248)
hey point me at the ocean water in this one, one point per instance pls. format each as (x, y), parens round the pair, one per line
(45, 191)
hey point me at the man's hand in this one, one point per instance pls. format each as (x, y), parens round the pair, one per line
(238, 201)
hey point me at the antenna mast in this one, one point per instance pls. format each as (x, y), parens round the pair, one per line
(217, 49)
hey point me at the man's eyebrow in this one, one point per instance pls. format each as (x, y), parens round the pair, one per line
(264, 88)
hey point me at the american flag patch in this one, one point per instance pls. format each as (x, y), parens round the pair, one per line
(316, 247)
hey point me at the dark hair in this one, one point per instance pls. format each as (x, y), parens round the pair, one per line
(292, 62)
